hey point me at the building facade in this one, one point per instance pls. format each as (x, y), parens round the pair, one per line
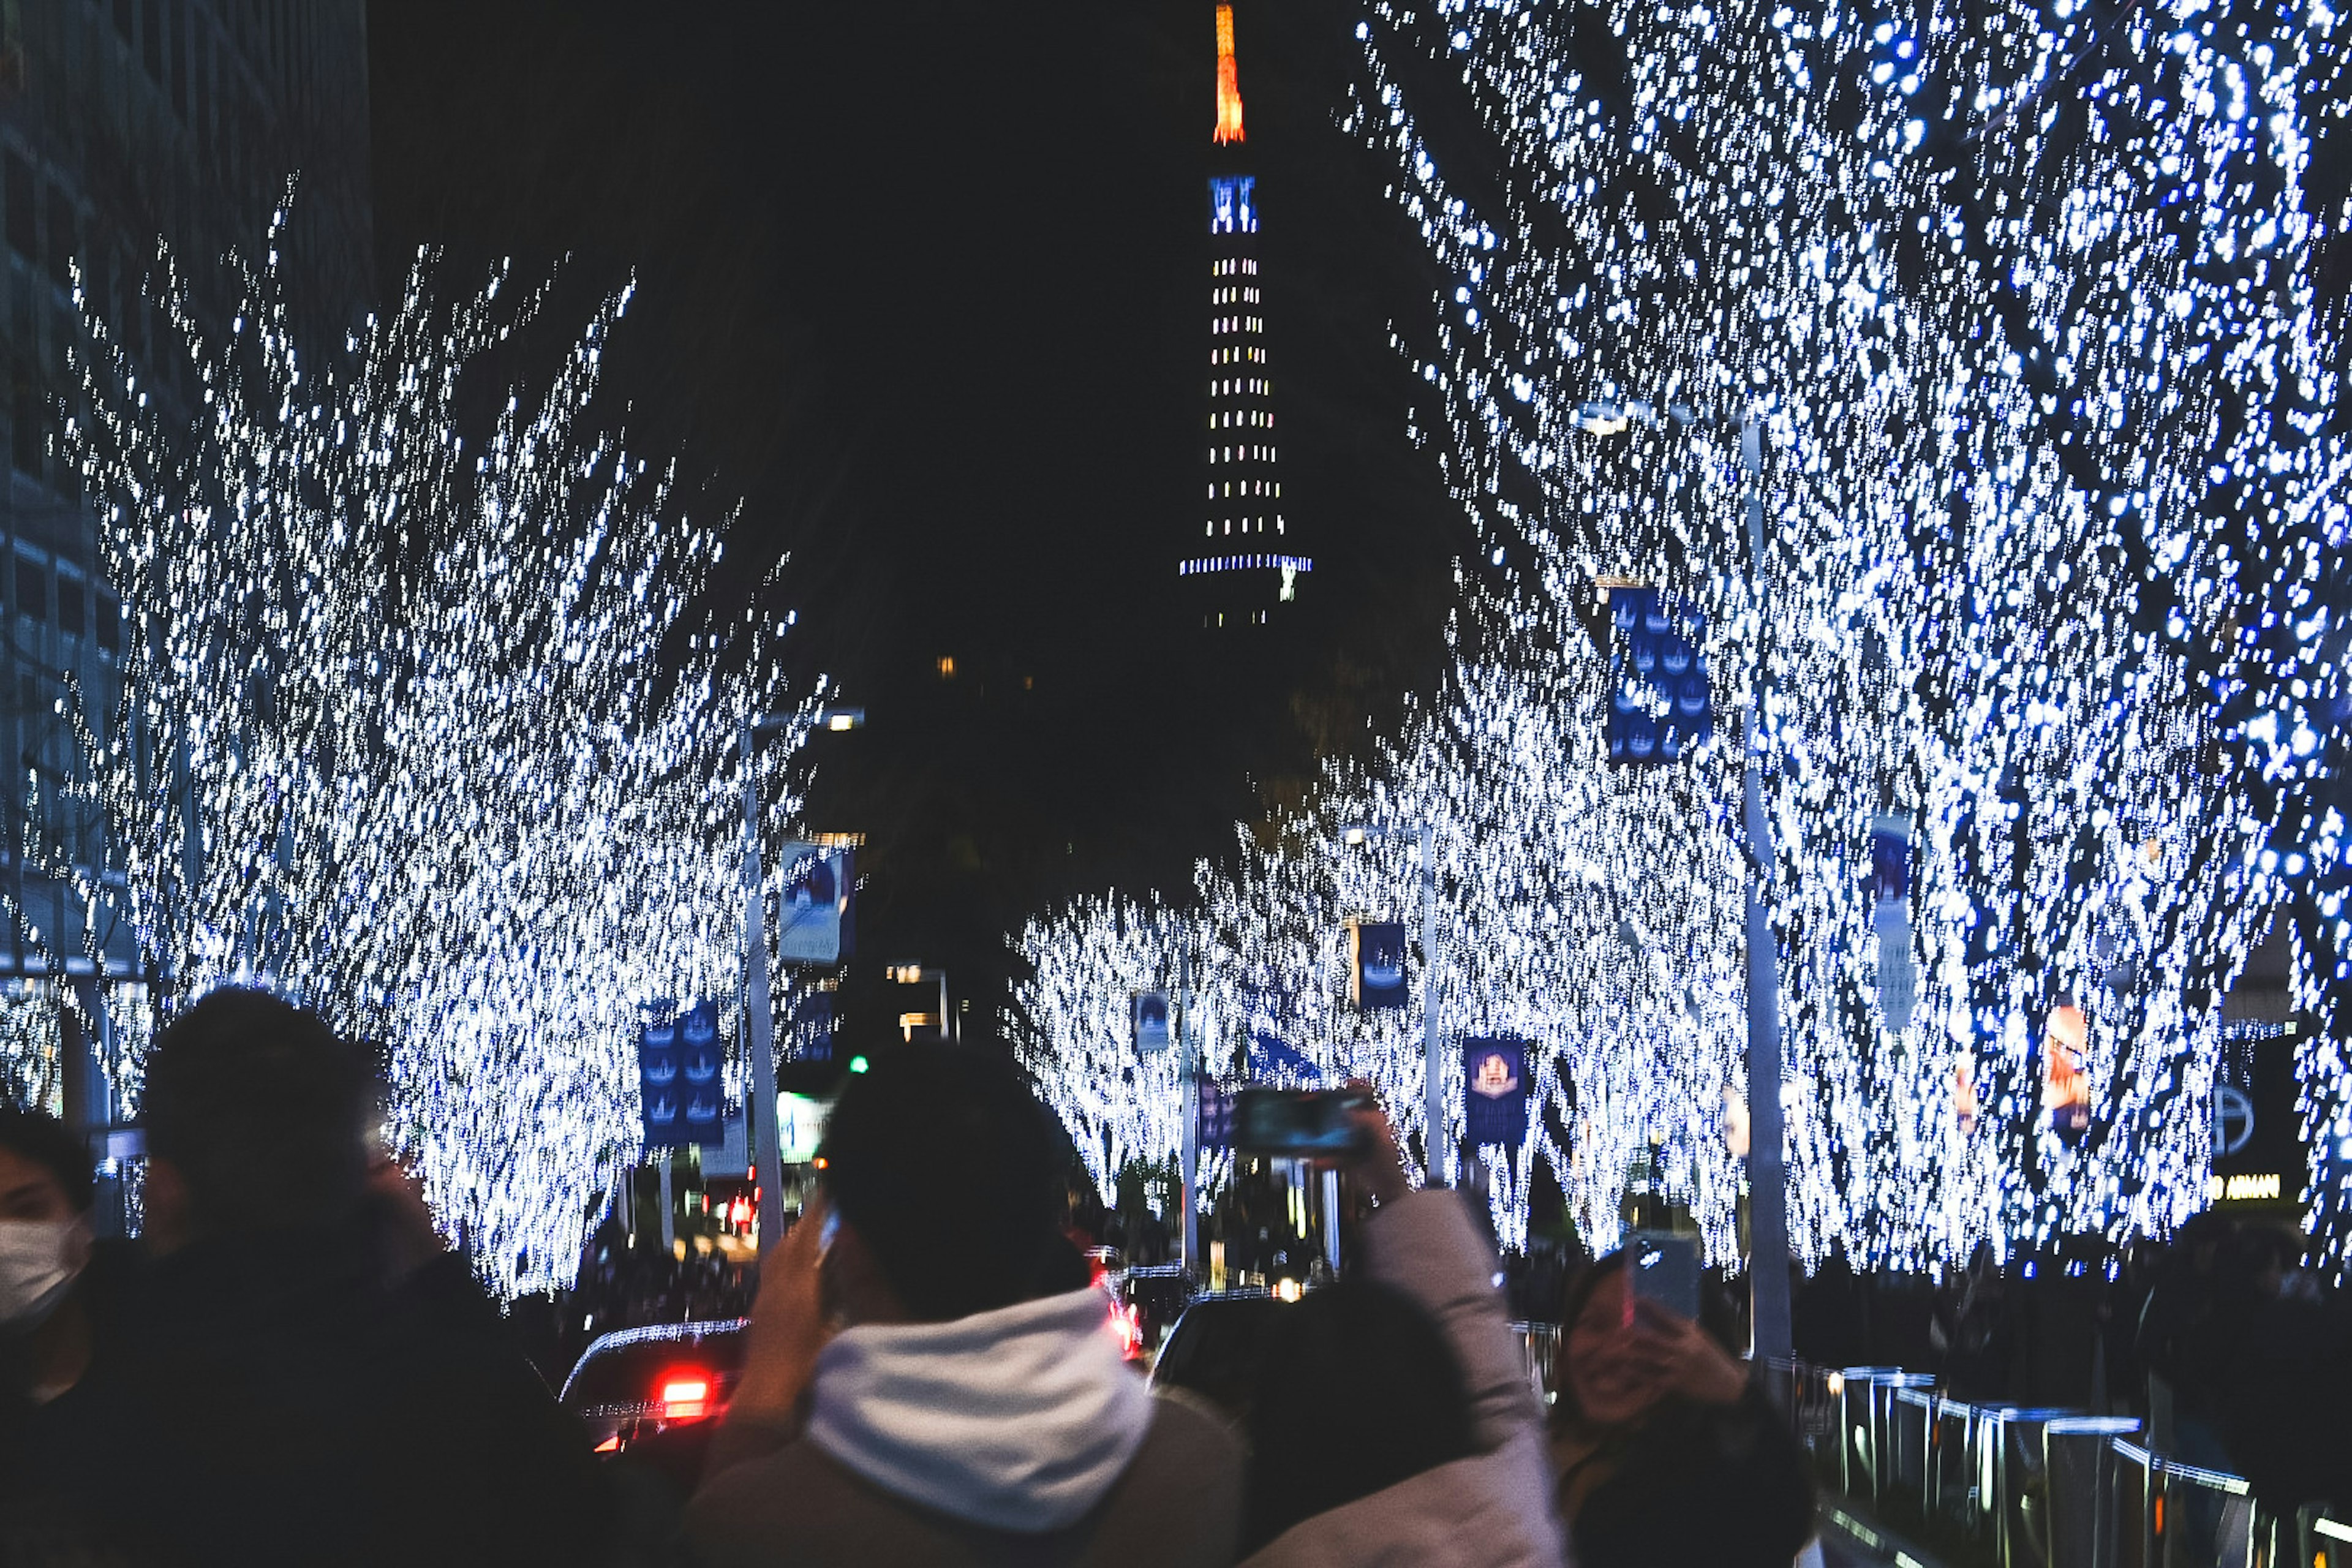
(124, 125)
(1244, 566)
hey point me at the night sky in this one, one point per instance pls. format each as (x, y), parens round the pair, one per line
(926, 286)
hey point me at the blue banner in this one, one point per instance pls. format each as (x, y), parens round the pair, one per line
(1494, 1104)
(680, 1080)
(1214, 1126)
(1659, 702)
(1376, 965)
(1274, 1060)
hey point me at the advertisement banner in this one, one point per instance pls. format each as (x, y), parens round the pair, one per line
(813, 913)
(1890, 879)
(1215, 1125)
(1376, 965)
(1659, 702)
(678, 1076)
(1494, 1104)
(1151, 1022)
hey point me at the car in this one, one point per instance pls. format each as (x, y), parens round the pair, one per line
(1215, 1349)
(635, 1383)
(1155, 1296)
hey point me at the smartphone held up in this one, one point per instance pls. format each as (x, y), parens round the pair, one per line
(1300, 1124)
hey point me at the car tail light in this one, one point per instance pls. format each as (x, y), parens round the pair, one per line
(685, 1397)
(610, 1445)
(1125, 1324)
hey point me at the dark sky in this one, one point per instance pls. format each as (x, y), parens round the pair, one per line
(926, 285)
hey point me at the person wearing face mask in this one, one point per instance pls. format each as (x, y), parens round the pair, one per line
(1667, 1454)
(61, 1299)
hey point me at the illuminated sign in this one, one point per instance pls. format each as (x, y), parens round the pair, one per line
(1232, 204)
(800, 1128)
(2265, 1187)
(1229, 81)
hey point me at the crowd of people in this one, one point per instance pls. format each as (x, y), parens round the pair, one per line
(289, 1365)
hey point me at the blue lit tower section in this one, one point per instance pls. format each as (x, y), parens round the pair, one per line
(1243, 564)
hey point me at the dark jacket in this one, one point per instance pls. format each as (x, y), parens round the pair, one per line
(294, 1403)
(56, 1467)
(1698, 1487)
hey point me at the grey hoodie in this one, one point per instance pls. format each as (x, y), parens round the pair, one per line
(1012, 1436)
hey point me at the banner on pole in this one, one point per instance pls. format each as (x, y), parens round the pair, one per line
(1890, 879)
(813, 919)
(1659, 702)
(1151, 1021)
(1213, 1126)
(1376, 965)
(1494, 1106)
(679, 1078)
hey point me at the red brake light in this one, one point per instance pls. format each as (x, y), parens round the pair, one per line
(685, 1397)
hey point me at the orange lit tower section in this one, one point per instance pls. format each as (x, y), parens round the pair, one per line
(1243, 564)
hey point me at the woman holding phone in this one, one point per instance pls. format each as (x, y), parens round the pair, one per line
(1664, 1451)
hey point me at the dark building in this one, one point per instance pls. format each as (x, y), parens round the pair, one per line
(123, 123)
(1246, 564)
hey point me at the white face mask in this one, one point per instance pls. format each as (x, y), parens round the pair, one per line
(39, 1261)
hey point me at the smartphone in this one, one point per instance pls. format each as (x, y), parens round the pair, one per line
(1662, 1268)
(1298, 1122)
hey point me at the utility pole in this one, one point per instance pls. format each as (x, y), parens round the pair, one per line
(759, 1021)
(1432, 1089)
(1768, 1215)
(1188, 1064)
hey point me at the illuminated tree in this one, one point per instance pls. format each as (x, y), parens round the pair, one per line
(431, 735)
(2017, 303)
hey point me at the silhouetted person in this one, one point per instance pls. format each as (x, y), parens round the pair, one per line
(1393, 1421)
(61, 1301)
(974, 1407)
(319, 1379)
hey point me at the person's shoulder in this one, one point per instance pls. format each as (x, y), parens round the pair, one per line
(1187, 1428)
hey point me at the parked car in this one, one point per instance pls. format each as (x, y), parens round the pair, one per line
(1216, 1346)
(635, 1383)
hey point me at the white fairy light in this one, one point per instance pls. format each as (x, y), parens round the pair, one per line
(2028, 330)
(425, 734)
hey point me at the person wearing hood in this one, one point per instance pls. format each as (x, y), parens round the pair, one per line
(930, 1378)
(61, 1300)
(1393, 1421)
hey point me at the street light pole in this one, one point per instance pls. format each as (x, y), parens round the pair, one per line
(759, 1023)
(1188, 1067)
(1435, 1134)
(1437, 1168)
(1768, 1203)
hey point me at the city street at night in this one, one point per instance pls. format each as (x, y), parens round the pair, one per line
(1302, 782)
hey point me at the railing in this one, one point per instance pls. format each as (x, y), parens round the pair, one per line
(2004, 1486)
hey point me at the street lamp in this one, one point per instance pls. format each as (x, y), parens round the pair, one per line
(1434, 1135)
(1767, 1216)
(759, 1023)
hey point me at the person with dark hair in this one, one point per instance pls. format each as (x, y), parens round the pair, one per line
(930, 1379)
(60, 1307)
(1667, 1453)
(1393, 1421)
(317, 1378)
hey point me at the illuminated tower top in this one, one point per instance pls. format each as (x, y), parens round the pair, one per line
(1229, 81)
(1245, 562)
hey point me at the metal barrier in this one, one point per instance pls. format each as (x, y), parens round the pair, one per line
(2012, 1487)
